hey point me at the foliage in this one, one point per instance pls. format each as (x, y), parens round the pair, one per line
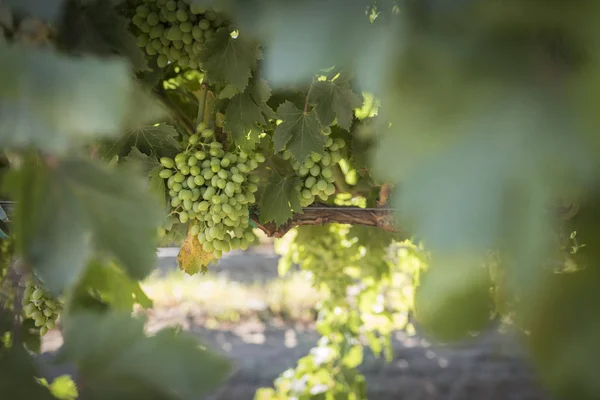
(476, 130)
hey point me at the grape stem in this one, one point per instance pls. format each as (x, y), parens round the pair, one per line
(323, 214)
(201, 95)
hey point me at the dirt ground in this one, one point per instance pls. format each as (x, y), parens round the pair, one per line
(491, 367)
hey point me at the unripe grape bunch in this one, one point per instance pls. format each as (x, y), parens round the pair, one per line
(316, 172)
(175, 31)
(40, 306)
(211, 189)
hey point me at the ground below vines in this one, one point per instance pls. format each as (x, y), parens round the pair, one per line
(492, 367)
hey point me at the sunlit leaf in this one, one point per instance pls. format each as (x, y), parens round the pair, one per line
(334, 99)
(192, 258)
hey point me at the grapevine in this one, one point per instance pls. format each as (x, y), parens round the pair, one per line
(175, 31)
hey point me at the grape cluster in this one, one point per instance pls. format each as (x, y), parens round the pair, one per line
(316, 172)
(40, 306)
(212, 189)
(175, 30)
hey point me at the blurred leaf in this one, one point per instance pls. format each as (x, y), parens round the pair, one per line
(49, 10)
(246, 111)
(230, 60)
(151, 166)
(334, 99)
(280, 199)
(51, 101)
(321, 27)
(192, 258)
(97, 28)
(17, 380)
(300, 132)
(112, 286)
(453, 298)
(117, 361)
(63, 209)
(354, 357)
(62, 387)
(157, 140)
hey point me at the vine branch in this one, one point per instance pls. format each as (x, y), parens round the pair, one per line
(320, 215)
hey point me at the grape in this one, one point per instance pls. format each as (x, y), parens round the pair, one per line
(162, 61)
(39, 306)
(165, 173)
(204, 24)
(152, 19)
(316, 171)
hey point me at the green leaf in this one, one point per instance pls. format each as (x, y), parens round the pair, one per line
(246, 112)
(17, 380)
(117, 361)
(150, 166)
(53, 102)
(354, 357)
(300, 132)
(230, 60)
(158, 140)
(62, 210)
(334, 99)
(280, 199)
(97, 28)
(112, 286)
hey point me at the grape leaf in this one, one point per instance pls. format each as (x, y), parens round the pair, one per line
(246, 111)
(17, 380)
(117, 361)
(53, 102)
(151, 167)
(62, 210)
(63, 388)
(334, 99)
(157, 140)
(97, 28)
(300, 132)
(230, 60)
(280, 199)
(192, 258)
(112, 286)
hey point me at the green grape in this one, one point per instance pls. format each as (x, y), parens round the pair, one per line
(223, 174)
(252, 187)
(162, 61)
(204, 24)
(190, 182)
(186, 27)
(138, 20)
(195, 229)
(142, 40)
(302, 171)
(210, 192)
(310, 181)
(208, 174)
(182, 15)
(184, 61)
(200, 155)
(183, 217)
(172, 193)
(315, 170)
(176, 202)
(197, 32)
(192, 161)
(215, 168)
(221, 183)
(334, 147)
(208, 133)
(157, 31)
(203, 206)
(237, 178)
(327, 172)
(152, 19)
(340, 143)
(335, 157)
(196, 9)
(306, 194)
(174, 33)
(142, 11)
(171, 5)
(179, 177)
(198, 180)
(150, 50)
(187, 39)
(330, 189)
(328, 142)
(165, 173)
(185, 169)
(188, 205)
(179, 158)
(321, 185)
(254, 178)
